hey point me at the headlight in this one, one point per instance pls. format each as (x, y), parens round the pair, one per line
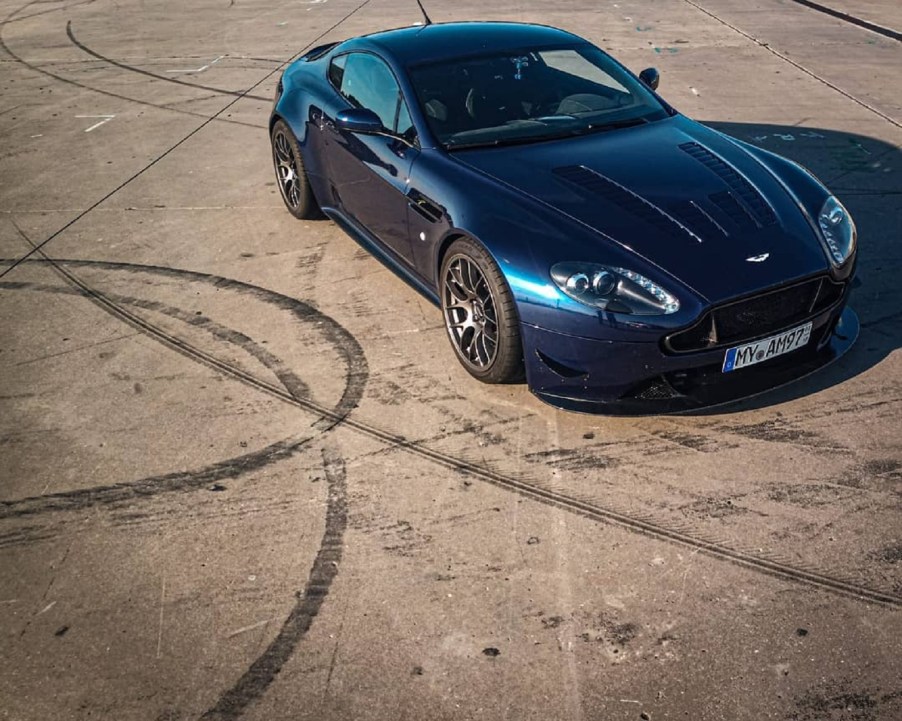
(838, 231)
(613, 289)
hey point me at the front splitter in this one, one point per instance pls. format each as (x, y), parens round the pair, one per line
(727, 387)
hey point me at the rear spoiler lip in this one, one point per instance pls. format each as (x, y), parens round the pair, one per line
(317, 52)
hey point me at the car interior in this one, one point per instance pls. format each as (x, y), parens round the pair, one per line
(476, 98)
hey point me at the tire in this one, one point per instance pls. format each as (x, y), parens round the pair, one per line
(480, 314)
(291, 176)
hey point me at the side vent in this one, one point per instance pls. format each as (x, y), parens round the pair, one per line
(616, 194)
(758, 208)
(425, 207)
(564, 371)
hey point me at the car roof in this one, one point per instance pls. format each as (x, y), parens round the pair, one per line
(442, 41)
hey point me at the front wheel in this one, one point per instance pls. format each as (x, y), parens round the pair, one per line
(290, 173)
(480, 314)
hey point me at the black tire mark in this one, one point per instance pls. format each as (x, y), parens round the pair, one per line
(254, 682)
(75, 83)
(173, 147)
(851, 19)
(261, 673)
(129, 491)
(12, 19)
(653, 528)
(294, 391)
(25, 535)
(170, 482)
(356, 366)
(221, 91)
(845, 173)
(629, 520)
(288, 378)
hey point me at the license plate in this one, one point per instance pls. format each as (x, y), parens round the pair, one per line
(762, 350)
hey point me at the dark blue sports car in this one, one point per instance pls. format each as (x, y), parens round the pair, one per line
(570, 223)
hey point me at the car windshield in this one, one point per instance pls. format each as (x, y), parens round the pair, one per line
(525, 96)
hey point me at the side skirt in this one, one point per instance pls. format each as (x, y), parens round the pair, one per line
(369, 242)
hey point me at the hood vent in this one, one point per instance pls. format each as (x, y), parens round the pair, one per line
(742, 190)
(625, 198)
(694, 216)
(734, 210)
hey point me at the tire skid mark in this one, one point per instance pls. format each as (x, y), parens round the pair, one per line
(581, 504)
(129, 491)
(356, 367)
(11, 18)
(290, 380)
(150, 520)
(171, 148)
(131, 68)
(262, 672)
(293, 390)
(28, 534)
(75, 83)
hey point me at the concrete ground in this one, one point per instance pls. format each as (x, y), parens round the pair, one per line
(187, 531)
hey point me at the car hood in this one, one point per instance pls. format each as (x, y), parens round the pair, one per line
(682, 196)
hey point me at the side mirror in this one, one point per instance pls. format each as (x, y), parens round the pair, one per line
(651, 77)
(359, 120)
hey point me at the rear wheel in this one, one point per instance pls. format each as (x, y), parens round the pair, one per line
(480, 314)
(290, 173)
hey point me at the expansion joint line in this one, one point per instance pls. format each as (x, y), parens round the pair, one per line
(795, 64)
(851, 19)
(186, 138)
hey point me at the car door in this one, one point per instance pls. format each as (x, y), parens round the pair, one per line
(370, 172)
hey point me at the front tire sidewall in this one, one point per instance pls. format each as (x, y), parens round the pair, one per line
(306, 207)
(507, 364)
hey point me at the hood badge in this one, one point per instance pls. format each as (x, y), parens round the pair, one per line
(758, 258)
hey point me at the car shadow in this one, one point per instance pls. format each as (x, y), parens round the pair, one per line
(866, 175)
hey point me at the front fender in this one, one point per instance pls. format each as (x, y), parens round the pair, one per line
(525, 238)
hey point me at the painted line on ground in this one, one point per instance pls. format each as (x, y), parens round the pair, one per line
(106, 119)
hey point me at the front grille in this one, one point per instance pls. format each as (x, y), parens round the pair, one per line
(760, 314)
(757, 316)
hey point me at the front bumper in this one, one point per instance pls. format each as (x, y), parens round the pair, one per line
(618, 378)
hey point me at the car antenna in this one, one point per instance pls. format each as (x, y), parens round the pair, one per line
(425, 16)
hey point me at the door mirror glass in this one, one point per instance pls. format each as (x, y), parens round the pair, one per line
(651, 77)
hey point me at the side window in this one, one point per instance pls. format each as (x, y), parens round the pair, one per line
(405, 124)
(367, 82)
(337, 71)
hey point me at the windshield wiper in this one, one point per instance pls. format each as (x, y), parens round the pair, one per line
(585, 130)
(614, 125)
(498, 142)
